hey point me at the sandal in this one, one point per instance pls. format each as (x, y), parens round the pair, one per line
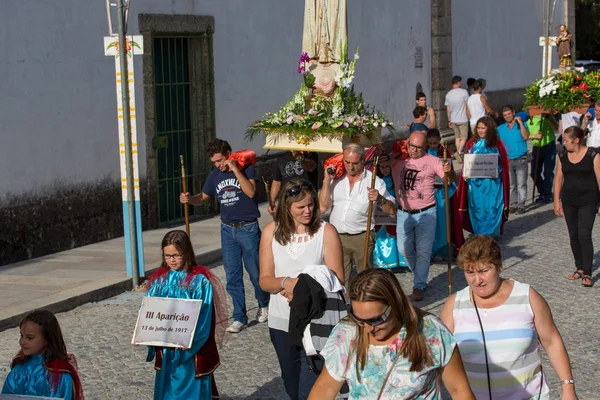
(575, 275)
(587, 281)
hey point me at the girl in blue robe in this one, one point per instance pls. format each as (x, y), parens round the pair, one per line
(484, 201)
(185, 374)
(385, 251)
(42, 367)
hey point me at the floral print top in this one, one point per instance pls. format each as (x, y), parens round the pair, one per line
(402, 384)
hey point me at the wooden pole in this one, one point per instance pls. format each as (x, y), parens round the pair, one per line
(369, 217)
(537, 163)
(185, 206)
(448, 242)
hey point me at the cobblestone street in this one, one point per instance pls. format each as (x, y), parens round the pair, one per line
(536, 251)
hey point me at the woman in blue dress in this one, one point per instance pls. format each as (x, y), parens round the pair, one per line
(483, 202)
(43, 367)
(186, 374)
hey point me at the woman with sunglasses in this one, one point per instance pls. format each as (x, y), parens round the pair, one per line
(294, 240)
(500, 325)
(388, 349)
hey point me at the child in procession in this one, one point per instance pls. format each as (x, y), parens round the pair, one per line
(182, 373)
(43, 367)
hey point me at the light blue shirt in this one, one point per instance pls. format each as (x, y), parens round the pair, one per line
(515, 145)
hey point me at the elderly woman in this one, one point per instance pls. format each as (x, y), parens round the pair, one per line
(388, 349)
(295, 240)
(498, 325)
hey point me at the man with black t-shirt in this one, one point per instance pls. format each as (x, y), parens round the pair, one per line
(293, 165)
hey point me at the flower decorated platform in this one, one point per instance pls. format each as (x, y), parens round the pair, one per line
(325, 113)
(562, 92)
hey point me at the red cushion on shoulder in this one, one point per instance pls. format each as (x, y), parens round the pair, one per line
(243, 158)
(338, 162)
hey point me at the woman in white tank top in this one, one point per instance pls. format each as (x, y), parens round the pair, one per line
(296, 239)
(477, 106)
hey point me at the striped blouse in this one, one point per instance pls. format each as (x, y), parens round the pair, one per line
(513, 349)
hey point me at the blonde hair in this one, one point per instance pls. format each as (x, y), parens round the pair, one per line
(381, 285)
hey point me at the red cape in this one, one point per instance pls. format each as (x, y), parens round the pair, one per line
(463, 190)
(56, 368)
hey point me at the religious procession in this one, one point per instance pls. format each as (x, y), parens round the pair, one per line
(383, 266)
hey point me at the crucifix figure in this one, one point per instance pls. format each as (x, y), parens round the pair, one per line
(324, 35)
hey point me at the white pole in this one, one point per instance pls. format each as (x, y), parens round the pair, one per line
(544, 56)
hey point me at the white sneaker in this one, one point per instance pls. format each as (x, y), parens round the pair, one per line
(236, 327)
(263, 314)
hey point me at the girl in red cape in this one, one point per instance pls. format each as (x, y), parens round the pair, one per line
(187, 374)
(483, 202)
(43, 367)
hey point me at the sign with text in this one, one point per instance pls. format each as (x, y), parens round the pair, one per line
(22, 397)
(480, 165)
(166, 322)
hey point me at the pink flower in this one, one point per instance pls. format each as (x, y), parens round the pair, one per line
(316, 125)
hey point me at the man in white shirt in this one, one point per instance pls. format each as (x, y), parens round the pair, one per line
(348, 199)
(593, 126)
(456, 110)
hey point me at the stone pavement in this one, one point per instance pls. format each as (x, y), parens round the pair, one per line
(536, 251)
(65, 280)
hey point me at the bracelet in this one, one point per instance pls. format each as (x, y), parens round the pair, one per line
(283, 282)
(567, 382)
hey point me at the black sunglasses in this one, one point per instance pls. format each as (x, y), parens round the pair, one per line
(296, 189)
(371, 321)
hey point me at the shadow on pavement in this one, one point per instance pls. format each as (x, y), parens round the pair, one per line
(517, 226)
(272, 390)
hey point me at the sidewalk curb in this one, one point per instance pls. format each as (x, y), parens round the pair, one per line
(103, 293)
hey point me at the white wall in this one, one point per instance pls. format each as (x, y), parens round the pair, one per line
(57, 96)
(499, 41)
(58, 100)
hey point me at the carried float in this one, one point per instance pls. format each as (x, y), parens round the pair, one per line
(562, 92)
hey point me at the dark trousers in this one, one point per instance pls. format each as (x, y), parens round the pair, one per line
(545, 159)
(298, 380)
(580, 221)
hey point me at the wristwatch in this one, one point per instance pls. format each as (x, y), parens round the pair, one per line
(568, 382)
(382, 201)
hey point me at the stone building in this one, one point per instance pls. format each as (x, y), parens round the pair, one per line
(209, 68)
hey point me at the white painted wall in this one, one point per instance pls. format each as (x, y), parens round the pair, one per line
(499, 41)
(58, 100)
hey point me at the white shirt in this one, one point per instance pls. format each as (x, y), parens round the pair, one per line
(456, 99)
(570, 119)
(476, 108)
(349, 209)
(593, 139)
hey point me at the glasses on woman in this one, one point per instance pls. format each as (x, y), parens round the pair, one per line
(372, 321)
(173, 256)
(296, 189)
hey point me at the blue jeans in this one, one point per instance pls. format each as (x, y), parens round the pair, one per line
(417, 231)
(545, 163)
(298, 380)
(242, 244)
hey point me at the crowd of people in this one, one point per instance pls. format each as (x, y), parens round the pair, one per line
(338, 319)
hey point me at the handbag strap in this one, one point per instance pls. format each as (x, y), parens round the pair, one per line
(388, 375)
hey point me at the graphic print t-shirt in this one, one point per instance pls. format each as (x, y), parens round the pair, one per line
(234, 204)
(289, 168)
(414, 179)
